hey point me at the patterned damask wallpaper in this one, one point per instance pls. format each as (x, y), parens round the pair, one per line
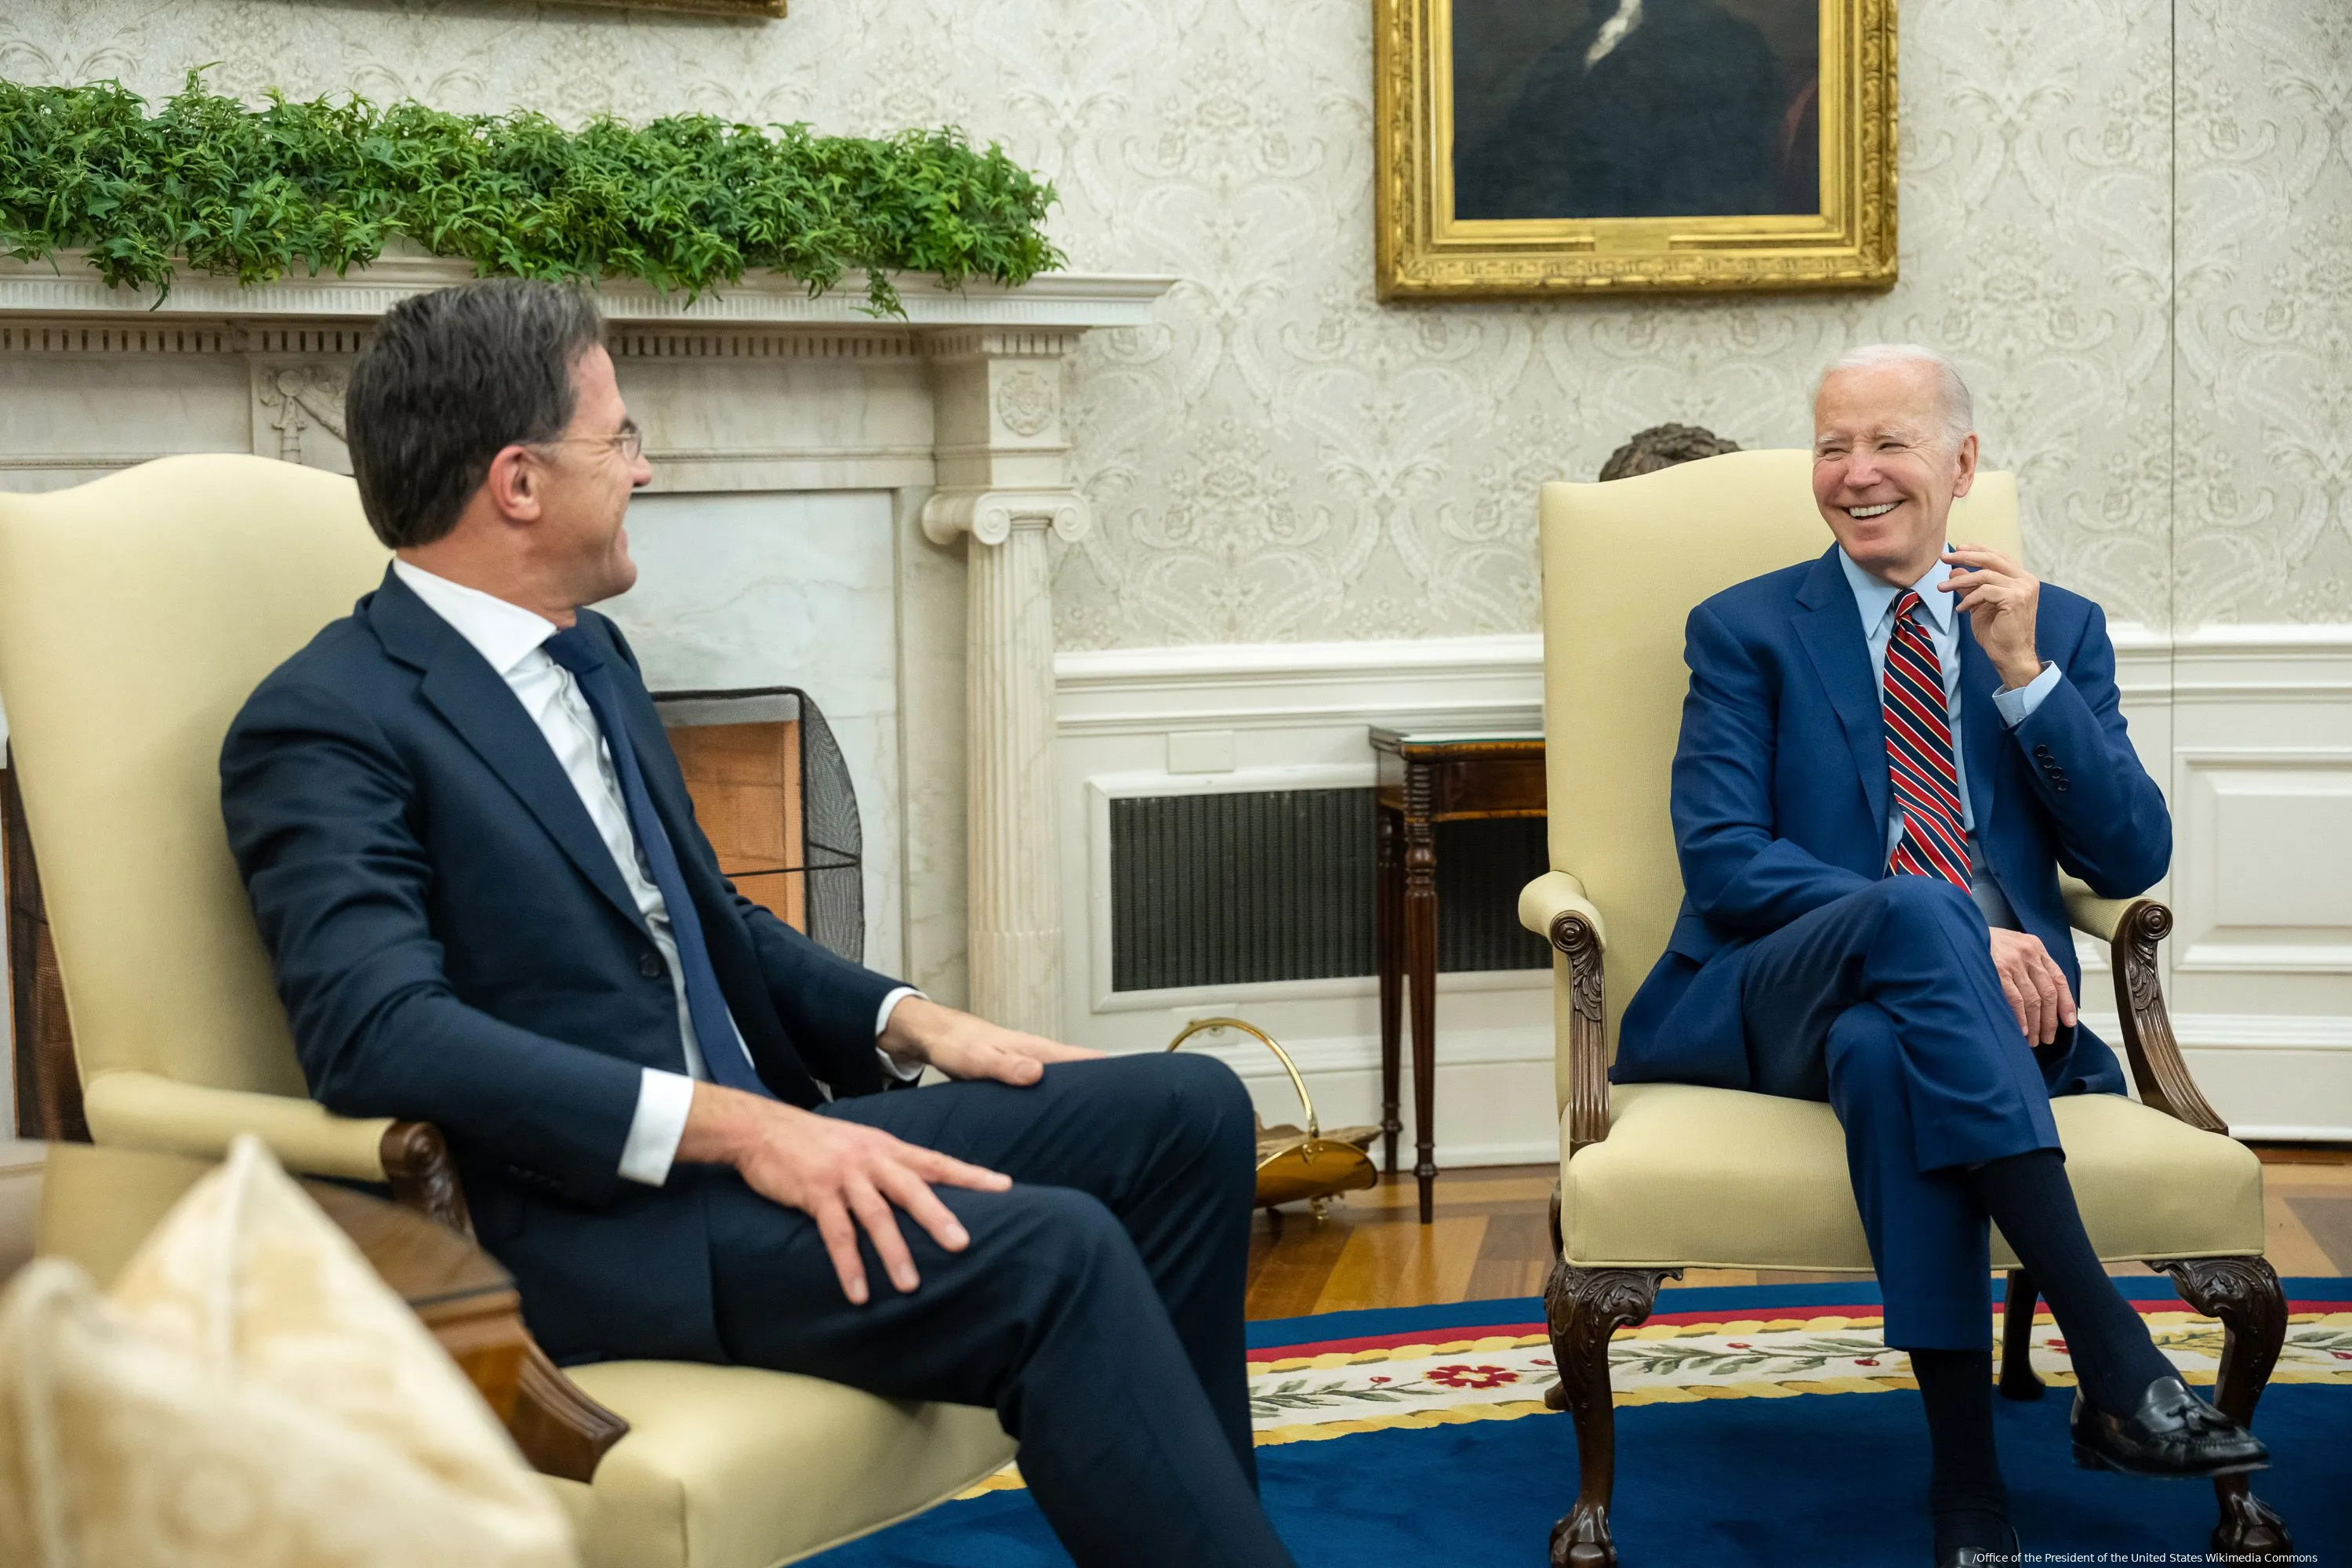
(2131, 221)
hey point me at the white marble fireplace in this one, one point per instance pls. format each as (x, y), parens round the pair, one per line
(859, 507)
(756, 588)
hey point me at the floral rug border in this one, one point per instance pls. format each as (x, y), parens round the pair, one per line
(1427, 1382)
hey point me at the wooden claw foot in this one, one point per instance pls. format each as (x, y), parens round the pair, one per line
(1583, 1307)
(2249, 1531)
(1581, 1540)
(2244, 1293)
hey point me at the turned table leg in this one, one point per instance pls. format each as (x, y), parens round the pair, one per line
(1388, 902)
(1421, 976)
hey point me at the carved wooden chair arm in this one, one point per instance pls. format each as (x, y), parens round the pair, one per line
(2132, 928)
(559, 1428)
(1555, 907)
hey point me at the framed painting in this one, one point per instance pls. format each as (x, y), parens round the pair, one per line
(1551, 147)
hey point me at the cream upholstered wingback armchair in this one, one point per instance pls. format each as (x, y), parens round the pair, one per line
(136, 615)
(1658, 1177)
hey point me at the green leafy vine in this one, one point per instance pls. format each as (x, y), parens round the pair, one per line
(687, 203)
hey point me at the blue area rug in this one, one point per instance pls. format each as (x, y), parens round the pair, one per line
(1827, 1479)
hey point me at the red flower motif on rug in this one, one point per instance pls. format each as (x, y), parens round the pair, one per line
(1471, 1377)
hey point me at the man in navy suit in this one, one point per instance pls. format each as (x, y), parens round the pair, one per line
(1887, 755)
(476, 865)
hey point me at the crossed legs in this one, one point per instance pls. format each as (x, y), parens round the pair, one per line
(1887, 1005)
(1097, 1308)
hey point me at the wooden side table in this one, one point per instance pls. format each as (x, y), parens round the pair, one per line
(1425, 778)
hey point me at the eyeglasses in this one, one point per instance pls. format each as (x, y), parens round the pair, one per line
(628, 440)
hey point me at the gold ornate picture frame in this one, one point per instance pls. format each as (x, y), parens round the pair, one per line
(762, 8)
(1589, 126)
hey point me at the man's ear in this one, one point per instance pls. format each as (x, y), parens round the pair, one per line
(1967, 459)
(516, 484)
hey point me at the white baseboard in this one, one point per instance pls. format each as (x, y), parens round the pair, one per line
(1468, 1156)
(2263, 1132)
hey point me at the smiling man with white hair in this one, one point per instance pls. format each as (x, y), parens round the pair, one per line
(1887, 753)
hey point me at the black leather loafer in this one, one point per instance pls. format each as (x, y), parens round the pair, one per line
(2006, 1556)
(2173, 1433)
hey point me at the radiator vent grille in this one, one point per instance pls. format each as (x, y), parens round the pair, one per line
(1241, 888)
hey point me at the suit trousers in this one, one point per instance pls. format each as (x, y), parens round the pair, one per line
(1887, 1005)
(1097, 1308)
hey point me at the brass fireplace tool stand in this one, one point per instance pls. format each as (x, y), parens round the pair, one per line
(1292, 1164)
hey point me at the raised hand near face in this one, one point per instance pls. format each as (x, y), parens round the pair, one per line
(2000, 598)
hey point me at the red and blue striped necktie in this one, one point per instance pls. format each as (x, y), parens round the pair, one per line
(1919, 753)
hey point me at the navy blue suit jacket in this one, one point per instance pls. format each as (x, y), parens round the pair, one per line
(1780, 803)
(453, 944)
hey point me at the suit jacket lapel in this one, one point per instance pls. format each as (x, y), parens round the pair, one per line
(468, 694)
(1980, 727)
(1831, 629)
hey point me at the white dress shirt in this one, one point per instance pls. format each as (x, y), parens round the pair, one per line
(1875, 599)
(510, 637)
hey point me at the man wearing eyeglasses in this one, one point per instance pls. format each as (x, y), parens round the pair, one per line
(475, 864)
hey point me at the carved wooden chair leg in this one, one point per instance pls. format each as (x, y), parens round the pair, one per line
(1584, 1307)
(2244, 1293)
(2017, 1378)
(1556, 1396)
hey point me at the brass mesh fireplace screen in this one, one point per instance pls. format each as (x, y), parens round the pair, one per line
(773, 795)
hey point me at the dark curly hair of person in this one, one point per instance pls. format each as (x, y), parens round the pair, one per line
(1661, 446)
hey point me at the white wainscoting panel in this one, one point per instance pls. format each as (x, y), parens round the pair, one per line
(2248, 728)
(2261, 976)
(1294, 716)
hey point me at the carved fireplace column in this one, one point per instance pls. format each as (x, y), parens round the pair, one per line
(1004, 478)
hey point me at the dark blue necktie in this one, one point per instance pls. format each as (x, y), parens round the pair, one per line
(714, 1026)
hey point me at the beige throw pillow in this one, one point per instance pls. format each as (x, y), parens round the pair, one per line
(251, 1396)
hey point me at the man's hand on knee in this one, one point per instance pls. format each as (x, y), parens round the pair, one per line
(962, 1046)
(841, 1174)
(2036, 987)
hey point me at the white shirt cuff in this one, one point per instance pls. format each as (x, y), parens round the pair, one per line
(2016, 707)
(891, 1067)
(663, 1099)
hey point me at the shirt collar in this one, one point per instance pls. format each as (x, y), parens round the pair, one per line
(1873, 596)
(501, 632)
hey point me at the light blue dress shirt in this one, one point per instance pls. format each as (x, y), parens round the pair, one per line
(1875, 599)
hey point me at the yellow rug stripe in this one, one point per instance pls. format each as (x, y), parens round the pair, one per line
(1331, 1359)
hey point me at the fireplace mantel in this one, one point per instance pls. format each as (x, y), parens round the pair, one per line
(67, 286)
(957, 411)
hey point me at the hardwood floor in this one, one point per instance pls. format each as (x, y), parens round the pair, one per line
(1489, 1238)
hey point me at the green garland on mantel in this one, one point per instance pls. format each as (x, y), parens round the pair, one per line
(686, 204)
